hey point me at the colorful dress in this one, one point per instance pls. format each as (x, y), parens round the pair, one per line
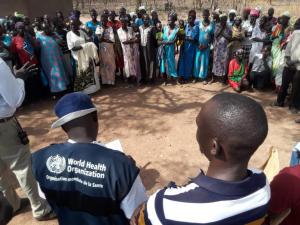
(237, 72)
(52, 64)
(280, 38)
(107, 55)
(168, 63)
(220, 51)
(130, 67)
(202, 56)
(188, 52)
(86, 81)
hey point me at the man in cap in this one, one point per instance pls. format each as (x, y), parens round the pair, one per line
(85, 182)
(14, 148)
(231, 127)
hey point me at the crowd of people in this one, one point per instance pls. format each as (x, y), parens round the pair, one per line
(82, 181)
(254, 50)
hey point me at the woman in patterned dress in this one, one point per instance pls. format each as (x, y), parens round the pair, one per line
(222, 38)
(52, 61)
(107, 53)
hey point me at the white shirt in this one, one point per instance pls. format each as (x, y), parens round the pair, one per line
(144, 35)
(74, 40)
(12, 91)
(293, 48)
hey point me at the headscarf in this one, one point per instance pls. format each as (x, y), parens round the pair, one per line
(218, 12)
(232, 11)
(173, 14)
(223, 15)
(286, 14)
(254, 12)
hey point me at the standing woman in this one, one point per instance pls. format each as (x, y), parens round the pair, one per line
(23, 47)
(106, 49)
(189, 47)
(126, 36)
(203, 51)
(168, 63)
(280, 34)
(52, 61)
(93, 24)
(222, 37)
(86, 81)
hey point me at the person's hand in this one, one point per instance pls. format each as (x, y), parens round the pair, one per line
(24, 71)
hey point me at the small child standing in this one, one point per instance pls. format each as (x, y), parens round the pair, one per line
(181, 35)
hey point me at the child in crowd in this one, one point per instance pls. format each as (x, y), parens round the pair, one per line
(181, 34)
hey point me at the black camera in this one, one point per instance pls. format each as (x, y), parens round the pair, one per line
(22, 134)
(23, 137)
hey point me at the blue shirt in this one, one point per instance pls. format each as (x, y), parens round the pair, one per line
(139, 22)
(92, 25)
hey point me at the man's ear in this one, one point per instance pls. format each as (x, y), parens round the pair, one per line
(217, 150)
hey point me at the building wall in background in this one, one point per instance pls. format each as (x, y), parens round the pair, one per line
(33, 8)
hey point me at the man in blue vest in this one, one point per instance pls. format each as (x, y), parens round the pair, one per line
(85, 182)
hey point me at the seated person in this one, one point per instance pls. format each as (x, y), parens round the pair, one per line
(231, 127)
(85, 182)
(284, 206)
(237, 72)
(260, 75)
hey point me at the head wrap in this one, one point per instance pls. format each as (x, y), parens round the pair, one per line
(232, 11)
(223, 15)
(286, 14)
(142, 7)
(254, 12)
(132, 14)
(173, 14)
(218, 12)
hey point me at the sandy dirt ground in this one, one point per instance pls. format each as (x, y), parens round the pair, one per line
(156, 125)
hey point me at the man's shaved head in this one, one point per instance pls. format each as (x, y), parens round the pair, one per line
(232, 125)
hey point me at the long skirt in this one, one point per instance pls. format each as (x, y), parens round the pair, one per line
(87, 81)
(201, 63)
(168, 63)
(107, 63)
(187, 59)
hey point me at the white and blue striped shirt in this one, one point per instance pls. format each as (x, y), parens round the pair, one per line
(211, 201)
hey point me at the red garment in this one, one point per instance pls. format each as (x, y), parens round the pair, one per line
(234, 65)
(285, 194)
(115, 24)
(16, 47)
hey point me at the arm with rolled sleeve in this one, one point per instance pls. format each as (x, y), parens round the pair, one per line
(11, 89)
